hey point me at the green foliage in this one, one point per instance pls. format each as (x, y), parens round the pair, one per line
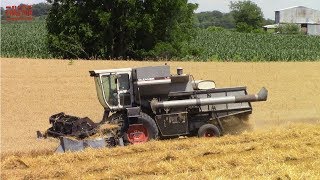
(215, 18)
(163, 50)
(2, 13)
(24, 40)
(219, 19)
(215, 29)
(40, 9)
(247, 15)
(268, 22)
(234, 46)
(261, 31)
(244, 27)
(119, 28)
(289, 29)
(2, 10)
(27, 39)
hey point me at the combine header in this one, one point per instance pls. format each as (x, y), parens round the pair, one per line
(149, 103)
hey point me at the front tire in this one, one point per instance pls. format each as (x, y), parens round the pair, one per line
(143, 130)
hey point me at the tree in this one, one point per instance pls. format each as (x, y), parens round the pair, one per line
(2, 13)
(118, 28)
(268, 22)
(289, 29)
(40, 9)
(215, 18)
(247, 15)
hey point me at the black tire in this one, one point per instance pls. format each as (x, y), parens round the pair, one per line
(149, 124)
(209, 129)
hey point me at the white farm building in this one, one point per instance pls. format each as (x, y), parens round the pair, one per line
(308, 19)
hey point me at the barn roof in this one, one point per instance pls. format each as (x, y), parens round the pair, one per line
(296, 7)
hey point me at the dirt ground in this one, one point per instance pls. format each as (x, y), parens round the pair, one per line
(32, 90)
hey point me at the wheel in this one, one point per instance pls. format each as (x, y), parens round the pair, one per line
(209, 130)
(143, 130)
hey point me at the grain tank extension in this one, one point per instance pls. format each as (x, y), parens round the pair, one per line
(149, 103)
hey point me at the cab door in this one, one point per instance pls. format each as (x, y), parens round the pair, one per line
(124, 87)
(107, 89)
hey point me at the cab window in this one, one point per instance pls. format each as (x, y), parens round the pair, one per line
(123, 81)
(109, 84)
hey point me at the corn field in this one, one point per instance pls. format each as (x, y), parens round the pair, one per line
(28, 40)
(228, 45)
(24, 39)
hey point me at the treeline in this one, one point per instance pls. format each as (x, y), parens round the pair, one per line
(220, 19)
(202, 19)
(41, 9)
(214, 18)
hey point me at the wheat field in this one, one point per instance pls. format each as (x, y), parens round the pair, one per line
(282, 143)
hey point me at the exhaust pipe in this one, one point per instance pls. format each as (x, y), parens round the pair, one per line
(261, 96)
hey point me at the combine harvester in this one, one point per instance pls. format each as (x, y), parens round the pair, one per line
(149, 103)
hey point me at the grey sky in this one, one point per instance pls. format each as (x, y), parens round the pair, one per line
(268, 6)
(5, 3)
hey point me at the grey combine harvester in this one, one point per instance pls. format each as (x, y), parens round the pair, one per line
(147, 103)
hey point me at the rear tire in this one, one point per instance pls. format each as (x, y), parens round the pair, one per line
(145, 129)
(209, 130)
